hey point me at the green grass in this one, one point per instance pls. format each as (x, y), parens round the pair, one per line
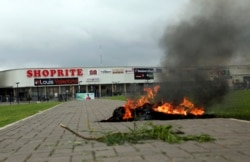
(15, 112)
(121, 97)
(236, 104)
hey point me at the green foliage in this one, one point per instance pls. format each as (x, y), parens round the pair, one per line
(15, 112)
(151, 131)
(235, 105)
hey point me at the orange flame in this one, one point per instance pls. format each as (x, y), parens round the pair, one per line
(184, 108)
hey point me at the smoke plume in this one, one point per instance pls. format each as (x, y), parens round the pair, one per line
(209, 34)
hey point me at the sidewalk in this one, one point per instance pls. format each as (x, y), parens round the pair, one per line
(41, 139)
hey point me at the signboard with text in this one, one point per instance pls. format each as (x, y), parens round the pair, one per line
(85, 96)
(55, 81)
(44, 73)
(143, 73)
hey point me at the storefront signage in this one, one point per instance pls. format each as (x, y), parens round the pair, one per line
(105, 71)
(118, 71)
(55, 81)
(143, 73)
(37, 73)
(92, 80)
(129, 71)
(85, 96)
(93, 72)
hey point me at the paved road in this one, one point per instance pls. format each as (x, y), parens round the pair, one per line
(41, 139)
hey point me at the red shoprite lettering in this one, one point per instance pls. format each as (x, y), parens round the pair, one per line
(54, 73)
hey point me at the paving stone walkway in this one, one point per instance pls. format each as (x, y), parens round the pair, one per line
(41, 139)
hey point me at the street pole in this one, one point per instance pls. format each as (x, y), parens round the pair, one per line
(37, 91)
(17, 93)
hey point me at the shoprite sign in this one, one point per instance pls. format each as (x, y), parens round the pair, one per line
(71, 72)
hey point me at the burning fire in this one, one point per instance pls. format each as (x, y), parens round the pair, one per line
(184, 108)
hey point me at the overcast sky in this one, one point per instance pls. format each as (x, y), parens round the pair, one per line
(84, 33)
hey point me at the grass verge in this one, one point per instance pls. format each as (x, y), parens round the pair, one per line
(235, 105)
(15, 112)
(122, 98)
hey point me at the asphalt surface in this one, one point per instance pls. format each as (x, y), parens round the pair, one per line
(40, 138)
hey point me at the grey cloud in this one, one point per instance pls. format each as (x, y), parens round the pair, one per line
(66, 33)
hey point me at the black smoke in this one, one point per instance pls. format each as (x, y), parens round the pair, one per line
(209, 35)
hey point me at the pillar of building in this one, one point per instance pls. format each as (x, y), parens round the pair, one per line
(100, 90)
(125, 89)
(112, 89)
(87, 88)
(59, 90)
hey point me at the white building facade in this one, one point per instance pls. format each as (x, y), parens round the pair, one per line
(40, 83)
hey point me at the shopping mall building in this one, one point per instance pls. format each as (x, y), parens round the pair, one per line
(42, 83)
